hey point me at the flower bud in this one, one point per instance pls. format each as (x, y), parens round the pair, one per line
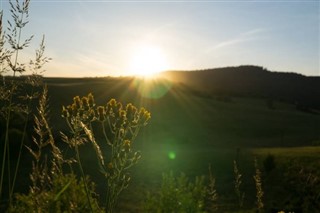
(131, 111)
(111, 106)
(101, 113)
(91, 100)
(85, 103)
(126, 145)
(92, 115)
(136, 157)
(77, 102)
(74, 109)
(144, 116)
(122, 117)
(121, 133)
(110, 168)
(112, 102)
(119, 106)
(65, 113)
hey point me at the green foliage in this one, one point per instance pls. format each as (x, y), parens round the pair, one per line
(178, 194)
(66, 194)
(303, 181)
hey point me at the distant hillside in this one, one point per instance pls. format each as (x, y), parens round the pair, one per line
(220, 108)
(253, 81)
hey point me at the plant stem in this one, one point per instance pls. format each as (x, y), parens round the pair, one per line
(83, 176)
(21, 144)
(18, 44)
(6, 145)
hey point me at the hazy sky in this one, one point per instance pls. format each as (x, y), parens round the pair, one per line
(100, 38)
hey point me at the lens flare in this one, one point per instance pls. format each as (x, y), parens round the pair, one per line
(153, 89)
(172, 155)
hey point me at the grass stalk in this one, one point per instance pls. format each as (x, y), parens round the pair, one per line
(259, 190)
(17, 48)
(83, 176)
(21, 145)
(238, 184)
(6, 147)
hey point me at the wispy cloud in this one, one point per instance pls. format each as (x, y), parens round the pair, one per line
(254, 32)
(250, 35)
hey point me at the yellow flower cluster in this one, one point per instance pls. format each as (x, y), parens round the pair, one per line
(86, 110)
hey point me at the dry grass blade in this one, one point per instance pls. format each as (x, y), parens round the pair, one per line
(94, 143)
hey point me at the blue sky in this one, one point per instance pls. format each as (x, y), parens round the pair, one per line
(99, 38)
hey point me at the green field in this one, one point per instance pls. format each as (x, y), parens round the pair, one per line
(189, 131)
(181, 116)
(197, 130)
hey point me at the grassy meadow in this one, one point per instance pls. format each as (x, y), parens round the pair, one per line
(189, 131)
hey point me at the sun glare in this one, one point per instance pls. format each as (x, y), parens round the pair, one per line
(147, 61)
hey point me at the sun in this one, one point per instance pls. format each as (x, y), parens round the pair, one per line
(147, 61)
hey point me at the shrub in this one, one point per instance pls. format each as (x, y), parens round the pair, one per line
(178, 194)
(66, 194)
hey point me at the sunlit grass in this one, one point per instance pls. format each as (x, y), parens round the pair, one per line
(305, 151)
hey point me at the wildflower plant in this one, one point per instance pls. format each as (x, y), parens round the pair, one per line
(119, 126)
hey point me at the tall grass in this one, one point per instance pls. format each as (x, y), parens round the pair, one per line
(14, 99)
(258, 184)
(238, 184)
(52, 189)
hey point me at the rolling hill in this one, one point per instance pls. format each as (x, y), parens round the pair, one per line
(253, 81)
